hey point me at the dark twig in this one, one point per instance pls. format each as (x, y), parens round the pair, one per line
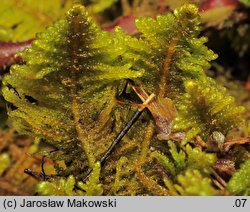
(121, 134)
(35, 175)
(43, 171)
(38, 176)
(118, 138)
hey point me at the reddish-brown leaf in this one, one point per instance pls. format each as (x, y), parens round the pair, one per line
(8, 51)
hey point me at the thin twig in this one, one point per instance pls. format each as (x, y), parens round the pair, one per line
(122, 133)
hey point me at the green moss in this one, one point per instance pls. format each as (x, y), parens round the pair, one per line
(93, 187)
(239, 184)
(57, 187)
(100, 5)
(192, 183)
(185, 158)
(169, 50)
(200, 160)
(66, 96)
(4, 162)
(206, 108)
(179, 157)
(72, 78)
(21, 20)
(247, 2)
(165, 161)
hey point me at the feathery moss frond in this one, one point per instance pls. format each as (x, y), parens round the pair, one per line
(66, 91)
(179, 157)
(192, 183)
(169, 51)
(185, 158)
(165, 161)
(200, 160)
(206, 108)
